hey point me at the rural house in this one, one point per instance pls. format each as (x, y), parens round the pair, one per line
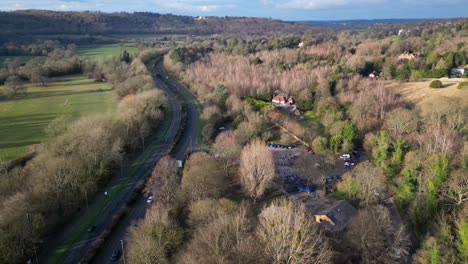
(409, 56)
(374, 75)
(282, 100)
(332, 215)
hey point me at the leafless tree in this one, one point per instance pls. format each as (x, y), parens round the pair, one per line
(164, 180)
(370, 183)
(14, 85)
(457, 187)
(372, 235)
(227, 239)
(306, 166)
(153, 238)
(289, 235)
(401, 122)
(207, 210)
(257, 168)
(203, 177)
(228, 148)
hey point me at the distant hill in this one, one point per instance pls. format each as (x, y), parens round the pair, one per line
(42, 22)
(364, 23)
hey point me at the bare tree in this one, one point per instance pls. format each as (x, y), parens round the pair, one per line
(225, 240)
(155, 237)
(257, 168)
(457, 187)
(205, 211)
(289, 235)
(401, 122)
(370, 183)
(14, 85)
(203, 177)
(372, 235)
(306, 166)
(164, 180)
(228, 148)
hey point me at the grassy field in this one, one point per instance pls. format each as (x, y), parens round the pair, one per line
(105, 50)
(23, 120)
(420, 93)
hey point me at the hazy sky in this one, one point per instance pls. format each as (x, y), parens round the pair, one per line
(282, 9)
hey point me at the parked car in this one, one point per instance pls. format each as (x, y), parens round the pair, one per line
(348, 162)
(116, 255)
(309, 149)
(306, 188)
(345, 156)
(149, 200)
(327, 179)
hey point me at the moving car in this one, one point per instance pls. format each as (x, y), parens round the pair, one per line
(149, 200)
(348, 162)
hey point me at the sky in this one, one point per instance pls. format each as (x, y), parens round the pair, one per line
(292, 10)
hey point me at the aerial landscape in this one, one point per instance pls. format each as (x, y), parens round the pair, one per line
(222, 131)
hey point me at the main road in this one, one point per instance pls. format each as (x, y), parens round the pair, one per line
(72, 244)
(187, 142)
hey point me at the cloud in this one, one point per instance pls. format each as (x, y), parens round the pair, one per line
(318, 4)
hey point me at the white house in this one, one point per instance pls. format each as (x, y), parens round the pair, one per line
(459, 71)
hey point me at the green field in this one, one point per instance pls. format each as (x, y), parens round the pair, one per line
(23, 120)
(105, 50)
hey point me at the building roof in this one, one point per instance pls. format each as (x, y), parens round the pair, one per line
(340, 212)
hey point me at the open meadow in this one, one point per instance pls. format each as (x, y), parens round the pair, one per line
(23, 119)
(105, 50)
(419, 93)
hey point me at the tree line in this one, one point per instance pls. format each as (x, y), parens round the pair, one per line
(80, 157)
(43, 22)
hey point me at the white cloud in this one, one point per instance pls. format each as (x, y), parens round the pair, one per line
(318, 4)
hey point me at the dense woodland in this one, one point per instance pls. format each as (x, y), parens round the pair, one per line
(417, 154)
(227, 208)
(41, 22)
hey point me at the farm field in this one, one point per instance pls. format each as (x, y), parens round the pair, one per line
(420, 93)
(105, 50)
(23, 120)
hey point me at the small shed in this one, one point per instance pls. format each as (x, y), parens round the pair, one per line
(333, 215)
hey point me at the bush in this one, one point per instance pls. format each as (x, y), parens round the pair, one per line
(256, 104)
(436, 84)
(462, 85)
(435, 73)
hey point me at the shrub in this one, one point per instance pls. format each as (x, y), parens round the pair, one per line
(462, 85)
(256, 104)
(436, 84)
